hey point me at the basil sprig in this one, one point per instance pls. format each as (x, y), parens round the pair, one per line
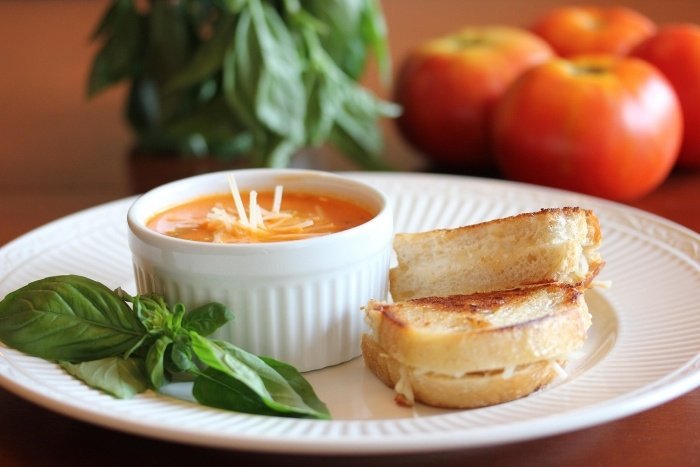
(125, 344)
(255, 79)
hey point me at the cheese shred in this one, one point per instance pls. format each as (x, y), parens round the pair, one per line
(558, 369)
(258, 222)
(243, 218)
(277, 200)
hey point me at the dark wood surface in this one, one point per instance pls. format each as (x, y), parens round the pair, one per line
(60, 153)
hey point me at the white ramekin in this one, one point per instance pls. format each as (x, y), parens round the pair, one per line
(297, 301)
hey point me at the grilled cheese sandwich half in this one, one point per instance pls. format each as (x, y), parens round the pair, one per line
(466, 351)
(551, 245)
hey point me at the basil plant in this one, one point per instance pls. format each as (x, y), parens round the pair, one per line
(249, 80)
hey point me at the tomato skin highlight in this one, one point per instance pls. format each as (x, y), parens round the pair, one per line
(601, 125)
(448, 86)
(577, 30)
(675, 50)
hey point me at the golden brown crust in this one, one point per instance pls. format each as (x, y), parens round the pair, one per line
(544, 212)
(594, 233)
(474, 307)
(483, 331)
(489, 302)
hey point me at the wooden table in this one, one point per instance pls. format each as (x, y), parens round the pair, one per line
(60, 153)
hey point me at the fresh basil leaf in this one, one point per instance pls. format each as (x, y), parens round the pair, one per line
(206, 319)
(280, 100)
(324, 104)
(181, 357)
(214, 355)
(233, 6)
(143, 104)
(357, 130)
(211, 122)
(219, 390)
(373, 30)
(279, 151)
(69, 318)
(274, 391)
(353, 120)
(121, 51)
(110, 18)
(350, 147)
(208, 58)
(155, 362)
(216, 389)
(300, 385)
(120, 377)
(342, 38)
(239, 72)
(170, 40)
(281, 104)
(177, 313)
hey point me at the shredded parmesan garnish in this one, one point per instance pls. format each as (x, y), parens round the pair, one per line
(219, 214)
(237, 200)
(277, 200)
(259, 222)
(558, 369)
(256, 219)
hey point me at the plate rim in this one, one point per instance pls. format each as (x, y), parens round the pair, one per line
(599, 413)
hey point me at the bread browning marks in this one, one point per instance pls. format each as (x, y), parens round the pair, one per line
(472, 310)
(476, 308)
(485, 331)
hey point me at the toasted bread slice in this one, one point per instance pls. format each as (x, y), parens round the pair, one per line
(551, 245)
(489, 331)
(471, 390)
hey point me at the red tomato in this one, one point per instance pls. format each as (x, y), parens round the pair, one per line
(675, 50)
(448, 86)
(602, 125)
(575, 30)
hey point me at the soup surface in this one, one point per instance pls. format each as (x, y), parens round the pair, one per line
(295, 216)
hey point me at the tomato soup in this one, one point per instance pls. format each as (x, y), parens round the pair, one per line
(258, 217)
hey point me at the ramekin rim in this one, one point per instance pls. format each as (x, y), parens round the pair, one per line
(138, 228)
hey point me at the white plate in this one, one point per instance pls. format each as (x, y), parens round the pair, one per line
(642, 351)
